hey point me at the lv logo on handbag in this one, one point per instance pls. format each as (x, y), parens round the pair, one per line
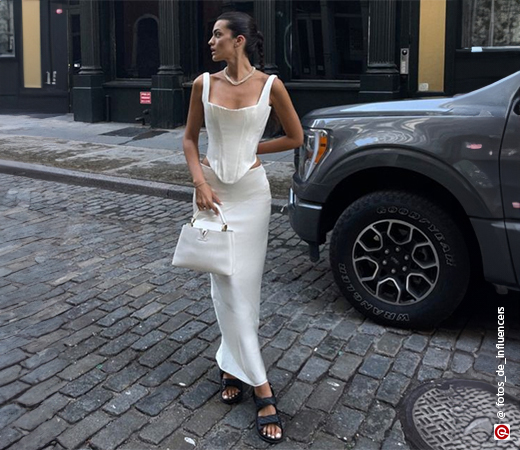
(205, 250)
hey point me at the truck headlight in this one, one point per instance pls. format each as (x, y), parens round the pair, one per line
(316, 145)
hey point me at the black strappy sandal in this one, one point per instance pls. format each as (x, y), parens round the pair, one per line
(227, 382)
(263, 421)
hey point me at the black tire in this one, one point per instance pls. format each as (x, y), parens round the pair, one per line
(363, 256)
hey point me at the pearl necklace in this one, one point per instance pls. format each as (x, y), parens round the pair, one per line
(236, 83)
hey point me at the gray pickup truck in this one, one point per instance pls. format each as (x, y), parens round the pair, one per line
(422, 197)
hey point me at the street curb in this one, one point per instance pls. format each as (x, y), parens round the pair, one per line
(107, 182)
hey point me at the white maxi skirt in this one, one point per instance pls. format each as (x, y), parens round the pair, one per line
(247, 207)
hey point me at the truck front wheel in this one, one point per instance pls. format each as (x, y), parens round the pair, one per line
(400, 259)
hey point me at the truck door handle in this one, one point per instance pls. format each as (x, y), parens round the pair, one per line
(48, 78)
(54, 77)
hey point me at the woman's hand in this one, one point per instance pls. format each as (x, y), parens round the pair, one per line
(206, 198)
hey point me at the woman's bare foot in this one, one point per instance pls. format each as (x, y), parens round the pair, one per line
(271, 430)
(229, 392)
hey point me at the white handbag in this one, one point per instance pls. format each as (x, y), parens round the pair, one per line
(203, 248)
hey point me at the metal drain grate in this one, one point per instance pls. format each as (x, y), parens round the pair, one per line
(127, 132)
(458, 415)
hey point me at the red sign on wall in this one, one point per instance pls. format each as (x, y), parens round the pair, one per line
(146, 98)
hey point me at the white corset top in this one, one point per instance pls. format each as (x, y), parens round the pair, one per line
(234, 134)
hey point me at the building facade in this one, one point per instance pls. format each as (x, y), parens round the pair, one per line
(128, 60)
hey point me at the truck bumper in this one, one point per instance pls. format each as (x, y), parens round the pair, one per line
(305, 219)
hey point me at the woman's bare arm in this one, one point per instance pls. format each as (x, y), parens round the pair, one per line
(205, 197)
(289, 119)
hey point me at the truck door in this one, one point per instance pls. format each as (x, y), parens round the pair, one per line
(510, 180)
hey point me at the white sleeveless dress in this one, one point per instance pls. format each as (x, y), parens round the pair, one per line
(233, 137)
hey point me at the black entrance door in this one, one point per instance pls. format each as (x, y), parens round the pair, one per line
(55, 77)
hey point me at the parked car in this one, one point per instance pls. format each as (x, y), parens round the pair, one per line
(422, 196)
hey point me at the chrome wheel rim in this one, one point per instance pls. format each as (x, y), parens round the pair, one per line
(396, 262)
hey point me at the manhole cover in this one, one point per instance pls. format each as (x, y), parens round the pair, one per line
(458, 415)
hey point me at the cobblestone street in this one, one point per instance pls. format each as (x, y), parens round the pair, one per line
(104, 345)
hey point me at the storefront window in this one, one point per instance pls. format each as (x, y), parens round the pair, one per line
(6, 28)
(491, 23)
(137, 38)
(327, 39)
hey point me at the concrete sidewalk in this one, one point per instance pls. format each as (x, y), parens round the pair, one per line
(120, 156)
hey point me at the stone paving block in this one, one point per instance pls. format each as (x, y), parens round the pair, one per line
(40, 358)
(188, 331)
(437, 358)
(364, 443)
(158, 430)
(148, 310)
(42, 413)
(312, 337)
(360, 344)
(116, 363)
(80, 433)
(152, 338)
(241, 415)
(329, 348)
(84, 383)
(11, 358)
(344, 330)
(119, 328)
(303, 425)
(176, 322)
(199, 395)
(406, 362)
(294, 358)
(117, 302)
(375, 366)
(189, 351)
(221, 438)
(428, 373)
(361, 392)
(291, 402)
(84, 348)
(299, 323)
(45, 371)
(8, 436)
(113, 317)
(272, 326)
(204, 418)
(444, 339)
(461, 362)
(84, 321)
(40, 392)
(123, 401)
(44, 342)
(392, 388)
(416, 343)
(344, 422)
(284, 339)
(11, 390)
(158, 400)
(314, 369)
(379, 419)
(345, 366)
(389, 344)
(158, 353)
(323, 441)
(86, 404)
(190, 373)
(177, 306)
(81, 335)
(270, 356)
(118, 345)
(326, 395)
(140, 290)
(469, 340)
(44, 327)
(181, 440)
(9, 413)
(125, 377)
(211, 333)
(42, 436)
(118, 431)
(150, 324)
(76, 369)
(9, 375)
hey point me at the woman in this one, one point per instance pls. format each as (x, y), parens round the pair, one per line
(235, 104)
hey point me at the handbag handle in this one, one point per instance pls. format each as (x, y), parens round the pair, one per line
(220, 214)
